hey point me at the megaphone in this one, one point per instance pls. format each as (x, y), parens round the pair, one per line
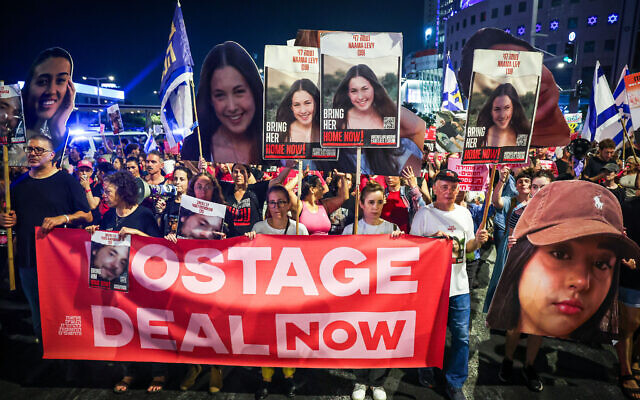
(145, 190)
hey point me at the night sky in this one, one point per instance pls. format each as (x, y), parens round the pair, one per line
(128, 39)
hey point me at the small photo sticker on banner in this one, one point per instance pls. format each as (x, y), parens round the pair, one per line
(292, 104)
(116, 118)
(502, 106)
(356, 69)
(109, 261)
(201, 219)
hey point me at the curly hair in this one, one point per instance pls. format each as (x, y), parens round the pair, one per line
(285, 114)
(519, 121)
(126, 187)
(217, 196)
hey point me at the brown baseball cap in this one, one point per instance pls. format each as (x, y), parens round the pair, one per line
(566, 210)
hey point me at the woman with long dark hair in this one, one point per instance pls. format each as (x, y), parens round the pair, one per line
(229, 103)
(300, 109)
(49, 95)
(503, 117)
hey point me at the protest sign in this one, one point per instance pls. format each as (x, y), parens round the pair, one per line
(574, 120)
(109, 266)
(632, 87)
(450, 130)
(502, 105)
(472, 177)
(116, 118)
(12, 128)
(292, 104)
(356, 69)
(200, 219)
(288, 301)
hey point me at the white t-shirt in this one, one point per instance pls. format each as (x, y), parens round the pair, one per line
(265, 228)
(628, 182)
(459, 225)
(366, 229)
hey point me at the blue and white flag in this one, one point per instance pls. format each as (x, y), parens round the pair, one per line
(451, 97)
(622, 104)
(175, 92)
(150, 143)
(603, 120)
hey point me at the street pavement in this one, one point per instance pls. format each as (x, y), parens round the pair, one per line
(569, 370)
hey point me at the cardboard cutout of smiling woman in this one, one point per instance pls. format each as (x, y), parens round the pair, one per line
(550, 128)
(561, 276)
(229, 102)
(292, 104)
(109, 264)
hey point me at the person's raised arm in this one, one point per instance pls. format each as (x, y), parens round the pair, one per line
(412, 127)
(496, 197)
(281, 176)
(333, 203)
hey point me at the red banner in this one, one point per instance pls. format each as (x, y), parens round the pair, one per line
(296, 301)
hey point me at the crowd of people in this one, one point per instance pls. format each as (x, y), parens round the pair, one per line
(103, 193)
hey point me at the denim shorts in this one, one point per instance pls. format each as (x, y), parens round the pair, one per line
(629, 297)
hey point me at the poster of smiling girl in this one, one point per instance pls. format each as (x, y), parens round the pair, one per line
(360, 89)
(109, 262)
(502, 106)
(292, 104)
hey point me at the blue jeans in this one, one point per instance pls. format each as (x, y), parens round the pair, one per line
(29, 279)
(457, 368)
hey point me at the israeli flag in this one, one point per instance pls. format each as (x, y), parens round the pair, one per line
(451, 97)
(622, 104)
(175, 92)
(603, 120)
(150, 144)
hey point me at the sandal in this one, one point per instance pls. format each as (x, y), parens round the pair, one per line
(157, 382)
(635, 371)
(215, 380)
(190, 379)
(122, 387)
(630, 393)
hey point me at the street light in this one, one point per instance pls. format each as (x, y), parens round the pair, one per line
(98, 80)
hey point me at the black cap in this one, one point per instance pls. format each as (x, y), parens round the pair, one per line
(611, 167)
(447, 175)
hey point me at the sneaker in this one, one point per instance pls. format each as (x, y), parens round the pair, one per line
(359, 391)
(426, 377)
(506, 371)
(455, 393)
(533, 381)
(290, 387)
(263, 391)
(378, 393)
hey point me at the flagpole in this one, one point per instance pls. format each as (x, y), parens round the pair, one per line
(626, 135)
(7, 200)
(487, 200)
(195, 111)
(358, 163)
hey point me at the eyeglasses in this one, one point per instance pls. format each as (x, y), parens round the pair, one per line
(38, 151)
(204, 188)
(278, 203)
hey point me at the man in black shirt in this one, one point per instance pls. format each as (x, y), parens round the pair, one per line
(45, 197)
(593, 170)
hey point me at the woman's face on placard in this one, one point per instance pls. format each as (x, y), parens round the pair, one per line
(564, 284)
(372, 204)
(112, 261)
(303, 107)
(49, 86)
(501, 111)
(360, 93)
(232, 99)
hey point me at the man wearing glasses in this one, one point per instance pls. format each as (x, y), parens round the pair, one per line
(45, 197)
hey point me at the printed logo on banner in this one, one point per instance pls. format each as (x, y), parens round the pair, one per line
(72, 326)
(346, 335)
(502, 106)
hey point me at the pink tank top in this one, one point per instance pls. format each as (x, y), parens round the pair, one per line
(317, 223)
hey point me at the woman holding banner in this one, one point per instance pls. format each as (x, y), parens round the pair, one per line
(128, 218)
(229, 103)
(300, 109)
(279, 223)
(503, 118)
(168, 210)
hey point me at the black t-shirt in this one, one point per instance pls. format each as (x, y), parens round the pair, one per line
(170, 212)
(36, 199)
(594, 167)
(141, 219)
(620, 193)
(631, 217)
(248, 210)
